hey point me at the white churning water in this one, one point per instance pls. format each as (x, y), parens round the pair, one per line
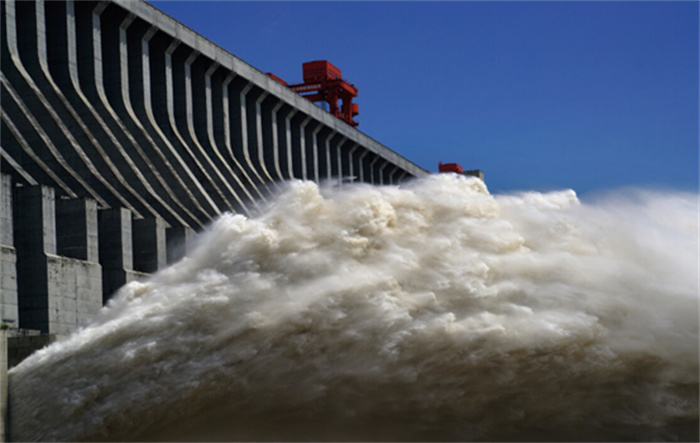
(430, 311)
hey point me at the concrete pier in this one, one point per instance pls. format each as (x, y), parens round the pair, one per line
(149, 244)
(179, 242)
(9, 313)
(3, 386)
(57, 293)
(116, 250)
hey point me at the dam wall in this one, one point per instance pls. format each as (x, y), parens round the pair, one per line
(57, 272)
(123, 132)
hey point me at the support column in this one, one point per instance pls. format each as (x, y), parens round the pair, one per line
(361, 166)
(323, 156)
(392, 174)
(372, 172)
(35, 237)
(76, 229)
(286, 153)
(342, 172)
(149, 244)
(56, 294)
(8, 256)
(381, 172)
(115, 250)
(261, 129)
(274, 130)
(178, 239)
(3, 385)
(351, 161)
(297, 153)
(312, 157)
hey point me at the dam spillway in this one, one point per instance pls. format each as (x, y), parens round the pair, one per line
(123, 133)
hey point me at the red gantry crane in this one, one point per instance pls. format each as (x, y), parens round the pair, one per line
(323, 82)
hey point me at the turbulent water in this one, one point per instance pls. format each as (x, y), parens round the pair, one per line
(430, 311)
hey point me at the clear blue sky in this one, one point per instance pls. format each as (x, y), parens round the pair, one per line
(539, 95)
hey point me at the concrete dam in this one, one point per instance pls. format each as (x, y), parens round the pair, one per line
(429, 311)
(123, 133)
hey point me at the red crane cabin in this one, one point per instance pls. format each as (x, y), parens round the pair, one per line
(324, 82)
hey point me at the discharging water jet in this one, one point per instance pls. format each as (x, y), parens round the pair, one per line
(430, 311)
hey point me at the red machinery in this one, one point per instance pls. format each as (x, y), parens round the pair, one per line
(457, 169)
(323, 82)
(449, 167)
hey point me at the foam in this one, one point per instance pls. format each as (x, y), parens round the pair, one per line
(431, 311)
